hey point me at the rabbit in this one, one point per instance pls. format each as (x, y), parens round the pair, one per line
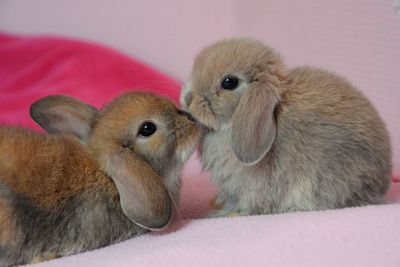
(278, 139)
(98, 177)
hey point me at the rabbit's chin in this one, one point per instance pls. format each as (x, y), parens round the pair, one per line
(184, 153)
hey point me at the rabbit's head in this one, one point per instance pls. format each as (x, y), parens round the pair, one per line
(140, 141)
(234, 83)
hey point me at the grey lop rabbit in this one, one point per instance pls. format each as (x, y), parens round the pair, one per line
(99, 177)
(277, 139)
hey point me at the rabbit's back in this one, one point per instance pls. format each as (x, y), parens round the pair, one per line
(53, 199)
(330, 142)
(47, 169)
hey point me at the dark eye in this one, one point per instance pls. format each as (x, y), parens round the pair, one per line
(229, 82)
(148, 128)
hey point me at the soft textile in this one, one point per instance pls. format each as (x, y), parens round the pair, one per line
(32, 67)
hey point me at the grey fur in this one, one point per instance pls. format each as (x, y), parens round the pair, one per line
(331, 149)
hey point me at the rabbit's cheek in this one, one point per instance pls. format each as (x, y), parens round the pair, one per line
(155, 144)
(226, 107)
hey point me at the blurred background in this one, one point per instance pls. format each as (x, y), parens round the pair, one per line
(359, 39)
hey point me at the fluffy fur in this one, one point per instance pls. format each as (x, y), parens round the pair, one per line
(94, 181)
(285, 139)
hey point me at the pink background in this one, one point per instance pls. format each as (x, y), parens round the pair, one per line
(357, 38)
(31, 67)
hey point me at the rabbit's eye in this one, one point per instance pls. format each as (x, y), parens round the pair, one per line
(229, 82)
(147, 128)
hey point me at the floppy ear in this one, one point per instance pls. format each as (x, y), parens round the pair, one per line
(144, 198)
(63, 114)
(254, 126)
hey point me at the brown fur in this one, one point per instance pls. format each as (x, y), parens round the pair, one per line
(41, 258)
(7, 221)
(95, 181)
(36, 161)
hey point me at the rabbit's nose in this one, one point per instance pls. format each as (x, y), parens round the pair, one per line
(187, 115)
(190, 117)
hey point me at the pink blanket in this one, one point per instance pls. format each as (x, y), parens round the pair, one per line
(32, 67)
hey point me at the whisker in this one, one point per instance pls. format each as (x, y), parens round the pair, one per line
(175, 206)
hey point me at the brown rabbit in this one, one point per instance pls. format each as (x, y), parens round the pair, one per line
(99, 178)
(278, 139)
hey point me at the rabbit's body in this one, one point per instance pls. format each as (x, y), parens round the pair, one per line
(329, 157)
(58, 198)
(278, 140)
(73, 208)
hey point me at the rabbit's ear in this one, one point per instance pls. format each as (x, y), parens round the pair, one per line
(144, 198)
(63, 114)
(254, 126)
